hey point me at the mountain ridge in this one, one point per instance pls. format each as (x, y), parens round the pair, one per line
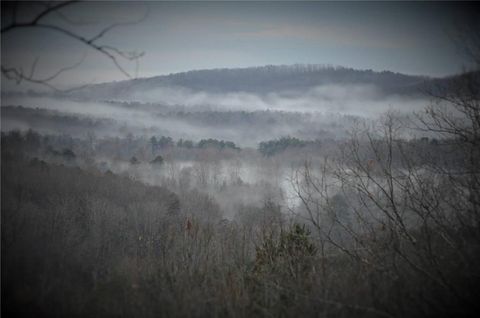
(259, 80)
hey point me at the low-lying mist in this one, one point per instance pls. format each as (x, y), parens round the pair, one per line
(358, 100)
(246, 118)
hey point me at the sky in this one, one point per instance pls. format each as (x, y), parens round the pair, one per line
(412, 38)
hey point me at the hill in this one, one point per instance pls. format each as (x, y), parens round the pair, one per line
(258, 80)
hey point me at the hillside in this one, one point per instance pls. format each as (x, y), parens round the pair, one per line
(258, 80)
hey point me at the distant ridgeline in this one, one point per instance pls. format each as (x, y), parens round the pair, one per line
(264, 79)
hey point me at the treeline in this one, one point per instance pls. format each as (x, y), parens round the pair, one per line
(51, 120)
(273, 147)
(66, 145)
(168, 142)
(156, 147)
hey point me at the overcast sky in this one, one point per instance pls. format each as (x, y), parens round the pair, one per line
(412, 38)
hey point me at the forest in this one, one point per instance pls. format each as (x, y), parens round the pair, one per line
(185, 181)
(373, 224)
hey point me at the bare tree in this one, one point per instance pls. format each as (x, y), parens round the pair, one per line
(13, 12)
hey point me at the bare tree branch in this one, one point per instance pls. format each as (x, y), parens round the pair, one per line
(113, 53)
